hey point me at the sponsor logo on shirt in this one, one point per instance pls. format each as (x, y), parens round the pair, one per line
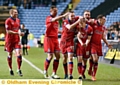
(12, 23)
(98, 32)
(55, 26)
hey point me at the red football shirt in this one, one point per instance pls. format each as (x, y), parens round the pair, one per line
(85, 32)
(51, 28)
(98, 31)
(13, 25)
(68, 34)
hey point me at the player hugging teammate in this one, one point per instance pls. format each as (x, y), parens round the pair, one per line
(89, 32)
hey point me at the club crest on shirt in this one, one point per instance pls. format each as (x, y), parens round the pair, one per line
(12, 23)
(95, 26)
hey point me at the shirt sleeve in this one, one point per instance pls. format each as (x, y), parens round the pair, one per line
(90, 31)
(7, 24)
(48, 21)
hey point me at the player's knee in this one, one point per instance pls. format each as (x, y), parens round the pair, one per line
(18, 54)
(70, 58)
(64, 60)
(95, 60)
(10, 54)
(50, 57)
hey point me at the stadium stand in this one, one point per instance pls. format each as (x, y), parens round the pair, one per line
(113, 17)
(105, 8)
(34, 19)
(87, 5)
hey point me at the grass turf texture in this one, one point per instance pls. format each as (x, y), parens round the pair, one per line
(106, 75)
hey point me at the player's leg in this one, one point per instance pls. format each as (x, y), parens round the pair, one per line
(95, 55)
(79, 66)
(79, 59)
(65, 57)
(55, 65)
(48, 48)
(91, 63)
(95, 66)
(9, 60)
(84, 64)
(57, 57)
(75, 46)
(70, 65)
(9, 49)
(47, 63)
(25, 46)
(18, 54)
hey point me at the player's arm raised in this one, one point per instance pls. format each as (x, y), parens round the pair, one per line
(73, 25)
(90, 21)
(59, 17)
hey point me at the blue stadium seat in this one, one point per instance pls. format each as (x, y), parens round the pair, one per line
(113, 17)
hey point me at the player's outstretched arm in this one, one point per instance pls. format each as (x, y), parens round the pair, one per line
(59, 17)
(73, 25)
(106, 42)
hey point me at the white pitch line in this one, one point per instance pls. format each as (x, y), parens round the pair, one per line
(32, 65)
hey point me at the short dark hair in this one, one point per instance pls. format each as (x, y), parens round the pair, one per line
(71, 11)
(53, 6)
(86, 11)
(100, 16)
(23, 24)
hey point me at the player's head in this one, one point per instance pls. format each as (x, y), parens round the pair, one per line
(53, 11)
(83, 23)
(13, 13)
(101, 18)
(22, 26)
(71, 16)
(87, 14)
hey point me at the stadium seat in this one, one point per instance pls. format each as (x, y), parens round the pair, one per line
(113, 17)
(87, 5)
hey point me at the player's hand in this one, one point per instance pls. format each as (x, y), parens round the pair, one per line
(64, 15)
(22, 34)
(109, 46)
(84, 45)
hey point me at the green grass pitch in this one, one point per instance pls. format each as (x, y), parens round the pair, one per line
(106, 75)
